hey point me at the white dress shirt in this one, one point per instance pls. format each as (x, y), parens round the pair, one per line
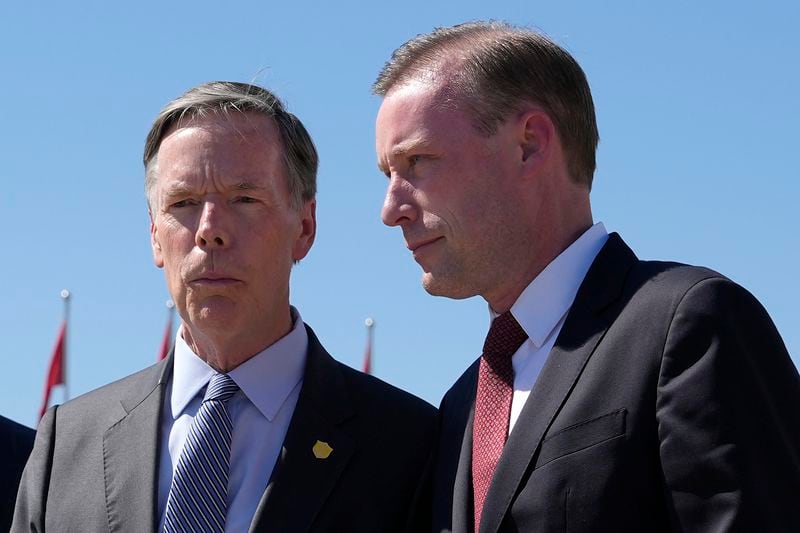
(261, 410)
(542, 308)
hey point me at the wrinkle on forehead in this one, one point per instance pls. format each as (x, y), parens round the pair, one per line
(213, 150)
(225, 122)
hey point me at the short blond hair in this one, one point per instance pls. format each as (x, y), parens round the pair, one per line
(499, 69)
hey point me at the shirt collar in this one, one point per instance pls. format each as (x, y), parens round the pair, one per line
(266, 379)
(547, 298)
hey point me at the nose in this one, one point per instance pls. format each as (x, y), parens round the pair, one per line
(398, 205)
(212, 231)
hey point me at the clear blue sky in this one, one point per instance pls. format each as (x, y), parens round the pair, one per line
(698, 106)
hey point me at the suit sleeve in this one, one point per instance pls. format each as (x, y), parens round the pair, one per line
(419, 516)
(728, 413)
(32, 497)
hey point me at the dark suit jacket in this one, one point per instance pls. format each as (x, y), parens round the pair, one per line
(16, 442)
(94, 466)
(669, 403)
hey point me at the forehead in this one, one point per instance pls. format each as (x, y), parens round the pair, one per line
(414, 97)
(237, 140)
(233, 128)
(418, 111)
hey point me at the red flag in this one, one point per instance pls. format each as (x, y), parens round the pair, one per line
(368, 358)
(55, 376)
(166, 342)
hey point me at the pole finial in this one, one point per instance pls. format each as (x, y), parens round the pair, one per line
(170, 304)
(65, 294)
(369, 323)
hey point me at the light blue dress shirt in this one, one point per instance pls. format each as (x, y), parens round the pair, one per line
(261, 410)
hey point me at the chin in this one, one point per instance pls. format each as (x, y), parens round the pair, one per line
(444, 286)
(216, 314)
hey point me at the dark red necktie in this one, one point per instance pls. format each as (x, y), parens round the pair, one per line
(493, 404)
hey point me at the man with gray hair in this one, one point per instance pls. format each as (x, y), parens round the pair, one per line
(249, 424)
(612, 394)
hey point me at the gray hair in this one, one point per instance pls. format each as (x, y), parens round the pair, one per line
(299, 153)
(498, 69)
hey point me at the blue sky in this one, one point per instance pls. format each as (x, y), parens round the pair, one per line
(697, 106)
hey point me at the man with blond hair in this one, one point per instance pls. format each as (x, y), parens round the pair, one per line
(612, 394)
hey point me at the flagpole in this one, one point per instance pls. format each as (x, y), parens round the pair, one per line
(65, 295)
(370, 325)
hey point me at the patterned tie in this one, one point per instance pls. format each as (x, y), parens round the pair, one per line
(493, 404)
(199, 492)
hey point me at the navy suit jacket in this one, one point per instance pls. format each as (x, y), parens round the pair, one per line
(16, 443)
(668, 403)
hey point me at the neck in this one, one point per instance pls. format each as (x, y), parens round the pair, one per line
(224, 351)
(502, 299)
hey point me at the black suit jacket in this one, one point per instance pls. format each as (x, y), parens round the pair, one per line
(95, 462)
(668, 403)
(16, 443)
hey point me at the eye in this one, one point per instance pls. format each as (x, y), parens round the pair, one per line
(414, 159)
(182, 203)
(245, 200)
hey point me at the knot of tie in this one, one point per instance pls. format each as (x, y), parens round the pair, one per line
(220, 388)
(504, 338)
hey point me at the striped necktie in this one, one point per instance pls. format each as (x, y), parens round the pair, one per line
(198, 496)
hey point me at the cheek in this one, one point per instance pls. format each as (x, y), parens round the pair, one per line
(470, 200)
(175, 238)
(438, 193)
(176, 248)
(267, 248)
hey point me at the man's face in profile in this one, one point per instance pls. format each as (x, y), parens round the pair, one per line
(452, 190)
(223, 227)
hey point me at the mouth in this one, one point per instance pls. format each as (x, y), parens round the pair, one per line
(420, 246)
(214, 279)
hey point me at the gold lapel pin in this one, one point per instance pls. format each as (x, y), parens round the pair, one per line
(322, 450)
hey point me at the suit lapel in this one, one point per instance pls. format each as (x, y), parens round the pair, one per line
(130, 452)
(584, 327)
(452, 505)
(463, 512)
(301, 481)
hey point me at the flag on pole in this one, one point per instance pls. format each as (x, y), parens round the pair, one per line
(166, 342)
(55, 375)
(367, 367)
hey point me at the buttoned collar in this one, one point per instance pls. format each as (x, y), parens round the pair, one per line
(546, 300)
(266, 379)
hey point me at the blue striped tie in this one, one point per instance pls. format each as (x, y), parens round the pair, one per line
(198, 496)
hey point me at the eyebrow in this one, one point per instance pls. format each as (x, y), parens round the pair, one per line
(180, 188)
(408, 145)
(404, 147)
(247, 186)
(176, 190)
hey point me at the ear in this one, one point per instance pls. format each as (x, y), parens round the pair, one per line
(308, 231)
(158, 257)
(537, 135)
